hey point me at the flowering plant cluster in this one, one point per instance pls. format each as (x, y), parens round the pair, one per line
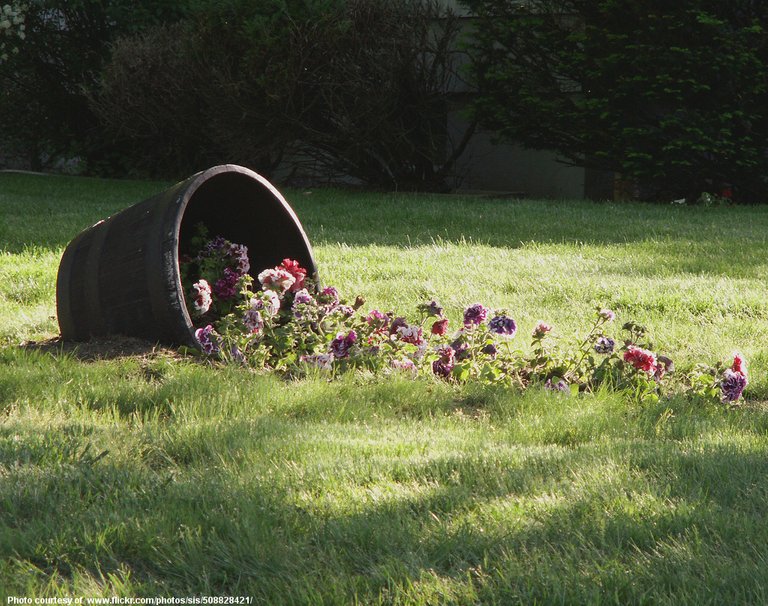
(12, 29)
(287, 323)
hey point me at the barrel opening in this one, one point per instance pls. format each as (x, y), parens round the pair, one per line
(245, 211)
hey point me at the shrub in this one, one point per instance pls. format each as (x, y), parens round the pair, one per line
(672, 94)
(346, 87)
(44, 108)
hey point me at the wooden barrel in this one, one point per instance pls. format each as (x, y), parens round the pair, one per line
(121, 276)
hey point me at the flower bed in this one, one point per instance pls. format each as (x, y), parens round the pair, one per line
(283, 322)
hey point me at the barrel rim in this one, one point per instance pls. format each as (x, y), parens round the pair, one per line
(194, 183)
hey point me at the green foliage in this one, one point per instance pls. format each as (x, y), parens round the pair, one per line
(672, 94)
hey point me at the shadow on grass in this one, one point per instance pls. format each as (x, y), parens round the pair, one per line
(648, 521)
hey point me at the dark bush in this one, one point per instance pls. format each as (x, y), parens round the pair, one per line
(44, 109)
(325, 88)
(673, 94)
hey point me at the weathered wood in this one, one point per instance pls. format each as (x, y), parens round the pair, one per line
(121, 276)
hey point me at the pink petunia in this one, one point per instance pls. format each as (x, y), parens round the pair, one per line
(277, 279)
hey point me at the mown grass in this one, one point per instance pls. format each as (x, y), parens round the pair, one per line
(153, 475)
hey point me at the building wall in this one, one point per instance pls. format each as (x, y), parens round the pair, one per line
(514, 169)
(503, 167)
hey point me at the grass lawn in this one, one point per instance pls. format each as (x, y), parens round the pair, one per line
(149, 475)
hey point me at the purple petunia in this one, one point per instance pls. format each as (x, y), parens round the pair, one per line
(460, 349)
(328, 298)
(341, 345)
(490, 350)
(503, 326)
(214, 245)
(253, 321)
(561, 386)
(431, 309)
(442, 368)
(302, 297)
(732, 385)
(226, 286)
(604, 345)
(475, 314)
(239, 254)
(208, 339)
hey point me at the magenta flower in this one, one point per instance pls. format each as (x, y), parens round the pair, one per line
(475, 314)
(503, 326)
(226, 287)
(341, 345)
(377, 320)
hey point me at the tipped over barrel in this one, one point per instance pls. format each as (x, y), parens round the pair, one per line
(121, 276)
